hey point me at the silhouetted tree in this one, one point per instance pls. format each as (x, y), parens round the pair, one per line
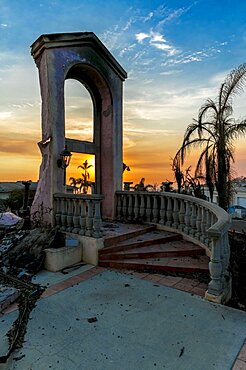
(214, 131)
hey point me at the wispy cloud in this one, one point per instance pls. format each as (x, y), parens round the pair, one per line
(141, 39)
(5, 115)
(127, 49)
(171, 72)
(141, 36)
(157, 40)
(131, 129)
(191, 57)
(170, 15)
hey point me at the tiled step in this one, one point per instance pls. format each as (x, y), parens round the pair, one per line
(169, 249)
(146, 239)
(121, 235)
(174, 264)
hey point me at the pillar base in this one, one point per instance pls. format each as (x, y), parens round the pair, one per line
(224, 297)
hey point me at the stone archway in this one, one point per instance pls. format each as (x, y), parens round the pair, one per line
(83, 57)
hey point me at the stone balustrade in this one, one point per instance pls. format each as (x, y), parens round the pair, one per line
(79, 214)
(200, 220)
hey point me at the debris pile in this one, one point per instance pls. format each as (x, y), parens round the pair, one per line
(7, 296)
(8, 219)
(22, 252)
(21, 257)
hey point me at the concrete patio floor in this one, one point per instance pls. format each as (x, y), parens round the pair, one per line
(136, 324)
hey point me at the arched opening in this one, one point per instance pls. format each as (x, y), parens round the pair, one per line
(79, 125)
(78, 111)
(101, 146)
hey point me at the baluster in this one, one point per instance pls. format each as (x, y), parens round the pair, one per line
(155, 210)
(181, 215)
(215, 286)
(124, 208)
(130, 208)
(226, 256)
(223, 258)
(208, 224)
(148, 208)
(119, 207)
(70, 215)
(193, 220)
(97, 221)
(89, 218)
(175, 213)
(187, 217)
(58, 211)
(169, 212)
(214, 219)
(136, 207)
(76, 216)
(63, 214)
(162, 210)
(198, 222)
(142, 207)
(203, 226)
(82, 217)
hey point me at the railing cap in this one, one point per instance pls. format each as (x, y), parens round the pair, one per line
(223, 218)
(79, 196)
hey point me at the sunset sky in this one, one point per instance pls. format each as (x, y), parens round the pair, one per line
(176, 53)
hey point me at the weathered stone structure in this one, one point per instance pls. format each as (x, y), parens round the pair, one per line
(83, 57)
(80, 56)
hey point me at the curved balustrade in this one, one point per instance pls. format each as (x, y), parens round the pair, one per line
(197, 218)
(79, 214)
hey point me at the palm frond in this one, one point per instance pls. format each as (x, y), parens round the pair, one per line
(236, 130)
(207, 106)
(203, 156)
(191, 129)
(191, 144)
(233, 84)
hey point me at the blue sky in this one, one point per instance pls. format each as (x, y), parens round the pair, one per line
(176, 54)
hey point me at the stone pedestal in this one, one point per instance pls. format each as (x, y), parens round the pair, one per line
(57, 259)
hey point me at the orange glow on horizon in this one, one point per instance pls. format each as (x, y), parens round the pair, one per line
(149, 159)
(78, 159)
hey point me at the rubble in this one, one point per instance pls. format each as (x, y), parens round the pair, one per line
(8, 219)
(21, 257)
(23, 251)
(7, 296)
(9, 241)
(29, 293)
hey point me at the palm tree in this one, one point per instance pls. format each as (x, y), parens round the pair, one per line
(214, 132)
(84, 180)
(178, 173)
(74, 182)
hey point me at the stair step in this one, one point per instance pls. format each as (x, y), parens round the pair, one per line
(125, 235)
(174, 264)
(169, 249)
(139, 241)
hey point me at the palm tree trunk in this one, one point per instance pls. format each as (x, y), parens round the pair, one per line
(222, 187)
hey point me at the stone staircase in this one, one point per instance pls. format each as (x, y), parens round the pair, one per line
(149, 249)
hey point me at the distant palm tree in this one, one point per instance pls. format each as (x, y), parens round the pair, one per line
(74, 182)
(84, 180)
(214, 131)
(178, 173)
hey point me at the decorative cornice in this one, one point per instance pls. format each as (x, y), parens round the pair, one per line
(59, 40)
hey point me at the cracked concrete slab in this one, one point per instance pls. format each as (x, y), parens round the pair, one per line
(140, 325)
(6, 323)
